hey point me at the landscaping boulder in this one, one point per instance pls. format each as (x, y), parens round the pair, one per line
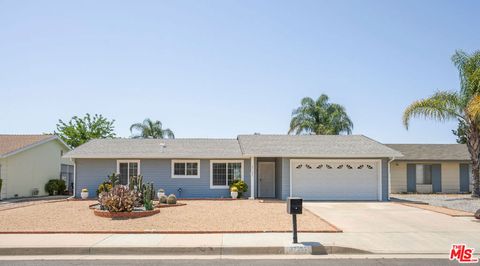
(477, 214)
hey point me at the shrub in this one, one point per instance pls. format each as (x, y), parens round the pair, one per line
(84, 190)
(171, 199)
(55, 185)
(233, 189)
(119, 199)
(61, 186)
(241, 186)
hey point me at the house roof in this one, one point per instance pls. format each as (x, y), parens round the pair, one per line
(12, 144)
(158, 148)
(327, 146)
(432, 152)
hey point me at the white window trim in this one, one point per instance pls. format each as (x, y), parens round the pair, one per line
(225, 161)
(185, 176)
(128, 161)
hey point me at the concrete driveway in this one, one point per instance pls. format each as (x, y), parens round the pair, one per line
(386, 227)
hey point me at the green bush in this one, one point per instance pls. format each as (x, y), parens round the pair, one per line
(241, 186)
(55, 186)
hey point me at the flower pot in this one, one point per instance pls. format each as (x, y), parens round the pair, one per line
(234, 194)
(84, 195)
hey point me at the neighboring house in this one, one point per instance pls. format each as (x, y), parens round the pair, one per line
(351, 167)
(427, 168)
(27, 162)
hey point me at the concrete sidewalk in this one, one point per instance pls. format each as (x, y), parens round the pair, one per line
(233, 244)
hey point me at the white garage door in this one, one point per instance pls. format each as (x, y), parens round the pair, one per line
(336, 179)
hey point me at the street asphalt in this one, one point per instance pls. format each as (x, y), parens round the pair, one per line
(272, 262)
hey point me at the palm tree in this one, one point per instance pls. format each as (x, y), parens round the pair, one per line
(463, 105)
(149, 129)
(320, 117)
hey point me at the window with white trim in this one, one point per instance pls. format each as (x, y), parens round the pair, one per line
(127, 169)
(185, 169)
(224, 173)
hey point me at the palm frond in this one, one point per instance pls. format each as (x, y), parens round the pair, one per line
(473, 108)
(441, 106)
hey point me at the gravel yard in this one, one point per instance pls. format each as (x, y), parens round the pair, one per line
(462, 202)
(196, 216)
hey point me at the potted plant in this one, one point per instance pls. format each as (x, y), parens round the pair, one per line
(160, 193)
(234, 192)
(241, 187)
(84, 193)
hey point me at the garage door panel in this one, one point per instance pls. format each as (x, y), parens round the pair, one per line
(335, 179)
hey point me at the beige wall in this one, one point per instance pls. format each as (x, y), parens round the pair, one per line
(398, 178)
(32, 168)
(450, 176)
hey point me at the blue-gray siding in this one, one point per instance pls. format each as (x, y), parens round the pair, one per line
(91, 172)
(464, 178)
(436, 178)
(385, 184)
(411, 178)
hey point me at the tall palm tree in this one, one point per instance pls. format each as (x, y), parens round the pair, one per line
(149, 129)
(320, 117)
(463, 105)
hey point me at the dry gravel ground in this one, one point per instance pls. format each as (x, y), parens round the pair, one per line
(463, 202)
(22, 202)
(196, 216)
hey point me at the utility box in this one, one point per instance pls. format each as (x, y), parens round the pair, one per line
(294, 205)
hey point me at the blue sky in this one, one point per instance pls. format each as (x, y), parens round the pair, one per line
(220, 68)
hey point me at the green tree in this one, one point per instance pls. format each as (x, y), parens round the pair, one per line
(320, 117)
(149, 129)
(80, 130)
(461, 132)
(463, 105)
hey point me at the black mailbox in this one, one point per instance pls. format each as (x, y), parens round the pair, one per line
(294, 205)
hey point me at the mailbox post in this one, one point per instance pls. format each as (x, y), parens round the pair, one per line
(294, 207)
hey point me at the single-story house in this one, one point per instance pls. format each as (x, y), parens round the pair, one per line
(431, 168)
(351, 167)
(27, 162)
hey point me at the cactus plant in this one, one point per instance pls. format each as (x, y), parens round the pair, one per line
(119, 199)
(148, 196)
(171, 199)
(136, 184)
(163, 199)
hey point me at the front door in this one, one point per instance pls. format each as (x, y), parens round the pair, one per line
(266, 179)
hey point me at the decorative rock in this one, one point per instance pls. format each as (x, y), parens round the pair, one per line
(477, 214)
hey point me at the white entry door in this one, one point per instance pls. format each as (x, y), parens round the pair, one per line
(336, 179)
(266, 179)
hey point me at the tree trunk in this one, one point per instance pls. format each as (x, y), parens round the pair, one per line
(473, 144)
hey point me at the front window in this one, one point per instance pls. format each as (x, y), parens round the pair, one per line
(127, 169)
(224, 173)
(424, 174)
(185, 169)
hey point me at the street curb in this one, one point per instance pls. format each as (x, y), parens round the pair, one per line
(267, 250)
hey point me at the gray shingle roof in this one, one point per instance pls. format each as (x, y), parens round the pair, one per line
(327, 146)
(432, 152)
(152, 148)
